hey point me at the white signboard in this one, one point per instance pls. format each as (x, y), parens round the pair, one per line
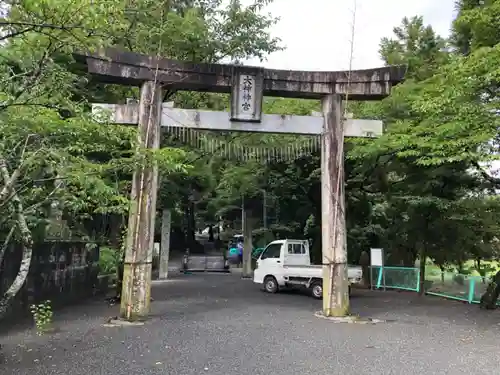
(246, 97)
(377, 257)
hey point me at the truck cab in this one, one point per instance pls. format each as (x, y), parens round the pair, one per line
(274, 257)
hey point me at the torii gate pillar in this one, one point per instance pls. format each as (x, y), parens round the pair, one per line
(136, 289)
(247, 86)
(333, 224)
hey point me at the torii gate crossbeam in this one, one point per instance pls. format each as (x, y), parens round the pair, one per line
(128, 114)
(247, 86)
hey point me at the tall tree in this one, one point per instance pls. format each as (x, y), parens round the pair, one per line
(415, 45)
(477, 25)
(427, 169)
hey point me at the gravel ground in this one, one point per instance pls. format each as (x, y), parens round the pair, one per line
(220, 324)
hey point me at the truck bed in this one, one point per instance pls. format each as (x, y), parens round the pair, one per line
(316, 270)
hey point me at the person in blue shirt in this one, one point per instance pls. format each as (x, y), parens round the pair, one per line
(240, 252)
(233, 254)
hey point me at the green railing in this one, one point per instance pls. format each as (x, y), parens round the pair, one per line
(450, 285)
(456, 286)
(443, 284)
(478, 287)
(403, 278)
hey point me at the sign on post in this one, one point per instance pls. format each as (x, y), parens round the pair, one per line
(377, 260)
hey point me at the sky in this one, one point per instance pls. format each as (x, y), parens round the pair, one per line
(317, 33)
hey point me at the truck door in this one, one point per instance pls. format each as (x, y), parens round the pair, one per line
(270, 262)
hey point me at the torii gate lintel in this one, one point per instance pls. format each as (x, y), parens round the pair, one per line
(128, 68)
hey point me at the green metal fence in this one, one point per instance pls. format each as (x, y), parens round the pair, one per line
(403, 278)
(478, 287)
(450, 285)
(443, 284)
(456, 286)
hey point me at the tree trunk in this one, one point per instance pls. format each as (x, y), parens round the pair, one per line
(27, 242)
(191, 226)
(18, 281)
(423, 257)
(480, 270)
(119, 278)
(211, 233)
(6, 243)
(409, 257)
(364, 262)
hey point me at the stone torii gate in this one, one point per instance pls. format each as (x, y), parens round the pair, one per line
(247, 86)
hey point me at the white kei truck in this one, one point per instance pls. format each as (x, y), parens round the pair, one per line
(287, 264)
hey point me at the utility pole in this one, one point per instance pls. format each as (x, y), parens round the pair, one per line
(334, 241)
(136, 290)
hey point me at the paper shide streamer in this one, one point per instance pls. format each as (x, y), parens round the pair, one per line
(232, 147)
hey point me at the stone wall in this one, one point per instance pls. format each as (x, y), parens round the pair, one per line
(62, 272)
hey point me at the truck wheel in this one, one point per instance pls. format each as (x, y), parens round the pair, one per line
(270, 284)
(317, 289)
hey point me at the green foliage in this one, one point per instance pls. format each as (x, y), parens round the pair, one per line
(43, 93)
(42, 315)
(452, 119)
(477, 25)
(201, 30)
(109, 259)
(416, 46)
(441, 125)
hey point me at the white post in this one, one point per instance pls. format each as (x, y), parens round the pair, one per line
(264, 208)
(165, 243)
(247, 244)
